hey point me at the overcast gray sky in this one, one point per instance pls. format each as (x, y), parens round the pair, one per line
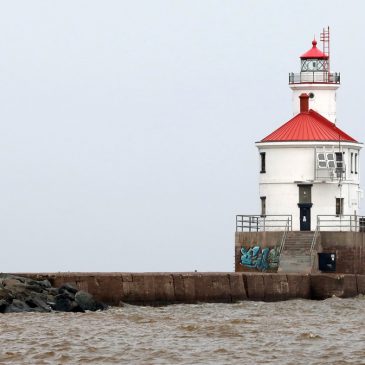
(128, 127)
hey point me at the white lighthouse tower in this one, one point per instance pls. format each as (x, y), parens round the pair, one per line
(316, 80)
(309, 167)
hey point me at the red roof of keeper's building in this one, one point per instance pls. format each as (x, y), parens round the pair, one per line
(314, 52)
(308, 126)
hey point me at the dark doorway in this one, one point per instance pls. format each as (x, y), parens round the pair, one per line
(305, 217)
(305, 204)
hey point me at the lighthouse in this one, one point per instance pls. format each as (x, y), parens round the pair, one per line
(309, 184)
(309, 167)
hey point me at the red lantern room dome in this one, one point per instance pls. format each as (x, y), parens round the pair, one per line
(314, 53)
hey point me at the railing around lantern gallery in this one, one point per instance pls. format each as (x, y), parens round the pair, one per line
(314, 77)
(341, 223)
(260, 223)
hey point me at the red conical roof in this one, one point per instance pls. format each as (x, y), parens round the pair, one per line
(308, 126)
(314, 52)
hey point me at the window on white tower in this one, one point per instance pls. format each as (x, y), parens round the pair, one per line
(321, 160)
(263, 205)
(263, 162)
(328, 160)
(339, 160)
(352, 162)
(355, 163)
(339, 206)
(340, 167)
(331, 161)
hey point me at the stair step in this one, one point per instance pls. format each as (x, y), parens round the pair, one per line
(295, 269)
(297, 243)
(297, 240)
(296, 247)
(296, 254)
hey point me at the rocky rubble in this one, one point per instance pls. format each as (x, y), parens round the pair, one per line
(19, 294)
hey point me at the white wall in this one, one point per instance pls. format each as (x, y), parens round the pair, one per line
(285, 164)
(290, 164)
(324, 101)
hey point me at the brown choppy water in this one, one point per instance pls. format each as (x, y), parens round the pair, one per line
(291, 332)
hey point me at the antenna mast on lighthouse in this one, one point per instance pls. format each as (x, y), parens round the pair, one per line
(325, 39)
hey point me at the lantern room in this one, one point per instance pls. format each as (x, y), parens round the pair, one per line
(314, 60)
(315, 65)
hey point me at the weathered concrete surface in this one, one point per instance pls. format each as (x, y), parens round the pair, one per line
(340, 285)
(349, 248)
(360, 281)
(155, 288)
(276, 287)
(250, 239)
(166, 288)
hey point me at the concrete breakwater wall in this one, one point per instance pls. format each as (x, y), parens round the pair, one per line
(168, 288)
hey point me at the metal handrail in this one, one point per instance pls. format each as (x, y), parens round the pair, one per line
(346, 222)
(330, 173)
(314, 237)
(283, 238)
(256, 223)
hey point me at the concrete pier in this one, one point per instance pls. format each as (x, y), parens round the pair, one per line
(168, 288)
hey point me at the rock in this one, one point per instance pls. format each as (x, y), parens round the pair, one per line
(12, 282)
(87, 302)
(36, 302)
(34, 287)
(49, 297)
(6, 277)
(5, 294)
(3, 305)
(71, 288)
(17, 306)
(53, 291)
(63, 303)
(18, 294)
(45, 284)
(71, 296)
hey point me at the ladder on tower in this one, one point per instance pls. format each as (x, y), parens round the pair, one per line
(325, 39)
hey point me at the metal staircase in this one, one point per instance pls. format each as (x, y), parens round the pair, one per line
(296, 252)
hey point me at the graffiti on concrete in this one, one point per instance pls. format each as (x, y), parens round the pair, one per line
(260, 259)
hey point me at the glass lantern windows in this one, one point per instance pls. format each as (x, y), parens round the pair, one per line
(313, 65)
